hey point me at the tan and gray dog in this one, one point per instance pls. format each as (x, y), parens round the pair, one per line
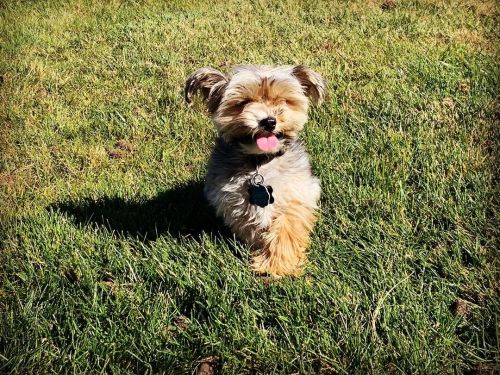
(259, 177)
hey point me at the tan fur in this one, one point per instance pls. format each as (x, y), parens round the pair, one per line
(238, 103)
(275, 98)
(283, 246)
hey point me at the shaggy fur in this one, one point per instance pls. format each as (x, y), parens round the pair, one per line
(237, 103)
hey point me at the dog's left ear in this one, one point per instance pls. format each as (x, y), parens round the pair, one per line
(312, 83)
(210, 82)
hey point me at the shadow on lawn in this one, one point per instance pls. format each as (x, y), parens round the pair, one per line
(180, 212)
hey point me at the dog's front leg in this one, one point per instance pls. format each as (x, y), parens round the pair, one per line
(281, 250)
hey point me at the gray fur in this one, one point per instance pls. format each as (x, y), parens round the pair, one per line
(228, 180)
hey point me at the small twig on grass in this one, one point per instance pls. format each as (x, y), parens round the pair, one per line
(380, 302)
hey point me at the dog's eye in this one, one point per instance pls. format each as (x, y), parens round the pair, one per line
(243, 102)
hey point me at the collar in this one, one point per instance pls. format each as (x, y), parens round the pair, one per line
(262, 159)
(253, 160)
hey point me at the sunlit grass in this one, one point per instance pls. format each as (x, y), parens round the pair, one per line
(110, 260)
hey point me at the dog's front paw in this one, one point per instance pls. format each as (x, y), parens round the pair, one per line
(284, 243)
(277, 265)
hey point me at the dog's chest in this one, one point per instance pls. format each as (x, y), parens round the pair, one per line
(266, 181)
(232, 195)
(229, 181)
(236, 201)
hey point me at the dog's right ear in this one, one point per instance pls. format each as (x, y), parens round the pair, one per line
(210, 82)
(312, 83)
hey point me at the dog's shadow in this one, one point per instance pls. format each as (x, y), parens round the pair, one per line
(179, 212)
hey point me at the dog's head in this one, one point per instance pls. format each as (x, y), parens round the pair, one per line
(259, 107)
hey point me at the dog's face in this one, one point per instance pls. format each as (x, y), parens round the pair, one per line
(259, 107)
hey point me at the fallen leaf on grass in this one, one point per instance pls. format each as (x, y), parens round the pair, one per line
(460, 308)
(207, 366)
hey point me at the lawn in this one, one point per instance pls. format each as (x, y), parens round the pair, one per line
(111, 261)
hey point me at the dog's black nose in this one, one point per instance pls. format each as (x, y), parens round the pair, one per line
(268, 123)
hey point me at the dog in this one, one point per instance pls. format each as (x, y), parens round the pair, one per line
(259, 177)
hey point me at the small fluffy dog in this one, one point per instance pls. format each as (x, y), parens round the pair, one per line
(259, 177)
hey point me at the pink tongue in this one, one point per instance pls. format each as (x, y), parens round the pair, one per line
(267, 143)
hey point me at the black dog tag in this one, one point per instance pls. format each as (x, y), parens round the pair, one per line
(261, 195)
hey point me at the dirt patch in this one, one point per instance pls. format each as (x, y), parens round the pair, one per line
(388, 5)
(460, 308)
(464, 87)
(481, 369)
(207, 366)
(483, 8)
(328, 47)
(448, 103)
(181, 322)
(443, 38)
(108, 280)
(41, 93)
(189, 167)
(121, 149)
(71, 275)
(6, 179)
(124, 145)
(474, 39)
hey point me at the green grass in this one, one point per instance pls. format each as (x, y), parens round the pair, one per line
(111, 262)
